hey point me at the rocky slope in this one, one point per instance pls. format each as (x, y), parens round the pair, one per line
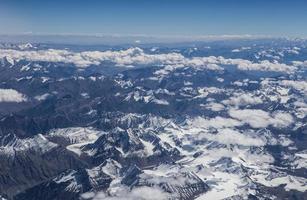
(212, 121)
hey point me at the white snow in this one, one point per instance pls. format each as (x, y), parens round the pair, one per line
(78, 137)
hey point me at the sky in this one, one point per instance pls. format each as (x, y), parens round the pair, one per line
(155, 17)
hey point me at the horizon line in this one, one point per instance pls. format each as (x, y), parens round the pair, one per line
(154, 35)
(29, 37)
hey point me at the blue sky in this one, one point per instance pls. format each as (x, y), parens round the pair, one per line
(155, 17)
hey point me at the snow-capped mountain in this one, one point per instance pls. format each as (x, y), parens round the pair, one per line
(193, 121)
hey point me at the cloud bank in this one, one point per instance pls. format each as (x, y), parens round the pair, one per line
(243, 100)
(10, 95)
(261, 119)
(139, 193)
(298, 85)
(136, 56)
(229, 136)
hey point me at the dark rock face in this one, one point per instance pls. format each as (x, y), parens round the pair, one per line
(68, 185)
(182, 131)
(26, 169)
(131, 176)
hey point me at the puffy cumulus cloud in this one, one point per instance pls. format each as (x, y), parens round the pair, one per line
(265, 66)
(136, 56)
(139, 193)
(255, 118)
(242, 64)
(10, 95)
(131, 56)
(298, 85)
(261, 119)
(214, 106)
(217, 122)
(230, 136)
(50, 55)
(281, 120)
(300, 63)
(243, 100)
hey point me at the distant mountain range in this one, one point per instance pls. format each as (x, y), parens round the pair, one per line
(102, 39)
(204, 120)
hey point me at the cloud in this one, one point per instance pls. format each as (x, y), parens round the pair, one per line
(243, 100)
(228, 136)
(136, 56)
(263, 66)
(10, 95)
(240, 49)
(281, 120)
(42, 97)
(236, 51)
(261, 119)
(225, 132)
(139, 193)
(298, 85)
(217, 122)
(300, 63)
(214, 106)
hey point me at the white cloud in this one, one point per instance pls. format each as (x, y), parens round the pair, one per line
(281, 120)
(261, 119)
(42, 97)
(235, 50)
(240, 49)
(298, 85)
(264, 66)
(10, 95)
(217, 122)
(139, 193)
(300, 63)
(136, 56)
(243, 99)
(215, 106)
(230, 136)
